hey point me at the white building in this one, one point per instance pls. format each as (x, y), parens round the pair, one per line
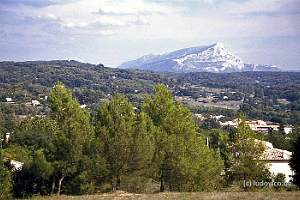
(199, 116)
(217, 117)
(259, 125)
(278, 161)
(262, 126)
(35, 103)
(16, 165)
(288, 129)
(7, 137)
(83, 106)
(233, 123)
(8, 99)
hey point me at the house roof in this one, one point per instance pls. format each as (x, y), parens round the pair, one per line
(277, 154)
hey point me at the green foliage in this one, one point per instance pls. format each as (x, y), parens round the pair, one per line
(76, 131)
(181, 159)
(219, 141)
(38, 133)
(19, 153)
(5, 183)
(135, 150)
(34, 144)
(247, 154)
(295, 160)
(127, 138)
(24, 81)
(279, 178)
(55, 148)
(34, 176)
(282, 141)
(210, 124)
(5, 178)
(7, 117)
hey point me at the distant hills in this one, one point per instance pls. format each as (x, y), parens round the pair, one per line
(23, 81)
(213, 58)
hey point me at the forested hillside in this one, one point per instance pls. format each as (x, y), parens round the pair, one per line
(21, 80)
(271, 96)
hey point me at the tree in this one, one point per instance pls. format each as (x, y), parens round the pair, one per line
(76, 132)
(181, 159)
(126, 136)
(218, 140)
(142, 148)
(210, 123)
(280, 177)
(38, 136)
(295, 160)
(5, 177)
(247, 152)
(281, 129)
(281, 141)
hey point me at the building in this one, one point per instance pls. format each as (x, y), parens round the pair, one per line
(288, 129)
(233, 123)
(259, 126)
(217, 117)
(278, 161)
(262, 126)
(8, 99)
(199, 116)
(7, 137)
(83, 106)
(35, 103)
(16, 165)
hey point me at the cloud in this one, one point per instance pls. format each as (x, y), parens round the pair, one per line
(263, 7)
(34, 3)
(121, 12)
(179, 20)
(103, 14)
(159, 25)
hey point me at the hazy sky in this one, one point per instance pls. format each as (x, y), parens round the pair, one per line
(110, 32)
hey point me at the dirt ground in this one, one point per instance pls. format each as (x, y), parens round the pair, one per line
(193, 196)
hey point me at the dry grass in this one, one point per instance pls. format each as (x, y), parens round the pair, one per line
(192, 196)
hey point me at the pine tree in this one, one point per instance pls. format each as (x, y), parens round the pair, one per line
(182, 160)
(142, 147)
(38, 137)
(75, 128)
(295, 159)
(5, 177)
(126, 136)
(247, 152)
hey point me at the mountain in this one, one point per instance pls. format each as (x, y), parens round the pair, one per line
(213, 58)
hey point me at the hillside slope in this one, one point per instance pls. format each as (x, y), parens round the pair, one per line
(24, 80)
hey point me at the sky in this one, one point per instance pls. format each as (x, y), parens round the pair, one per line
(114, 31)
